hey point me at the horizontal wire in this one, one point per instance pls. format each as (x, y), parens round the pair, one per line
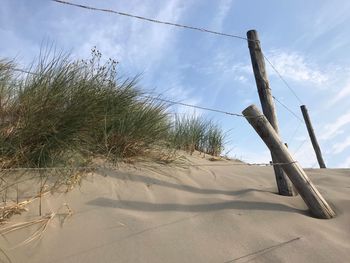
(49, 168)
(247, 164)
(185, 104)
(189, 105)
(170, 101)
(24, 71)
(97, 167)
(152, 20)
(159, 99)
(177, 103)
(165, 100)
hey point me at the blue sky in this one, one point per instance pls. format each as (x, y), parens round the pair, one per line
(306, 40)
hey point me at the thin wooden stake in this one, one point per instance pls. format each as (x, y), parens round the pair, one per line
(311, 196)
(267, 103)
(312, 135)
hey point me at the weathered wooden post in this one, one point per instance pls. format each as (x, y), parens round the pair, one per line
(267, 103)
(313, 199)
(312, 136)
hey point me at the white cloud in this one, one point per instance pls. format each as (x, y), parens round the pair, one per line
(291, 65)
(294, 66)
(334, 129)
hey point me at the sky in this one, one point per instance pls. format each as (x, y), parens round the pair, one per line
(307, 42)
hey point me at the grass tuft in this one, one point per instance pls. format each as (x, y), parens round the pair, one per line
(192, 133)
(68, 111)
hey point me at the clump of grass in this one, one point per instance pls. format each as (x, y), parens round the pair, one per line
(68, 109)
(192, 133)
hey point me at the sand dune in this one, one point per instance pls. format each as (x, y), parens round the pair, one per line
(204, 212)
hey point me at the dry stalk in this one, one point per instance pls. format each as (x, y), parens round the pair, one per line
(9, 210)
(43, 222)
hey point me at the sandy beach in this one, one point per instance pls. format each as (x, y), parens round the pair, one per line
(197, 211)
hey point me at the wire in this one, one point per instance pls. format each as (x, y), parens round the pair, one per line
(165, 100)
(247, 164)
(24, 71)
(204, 30)
(192, 28)
(288, 109)
(49, 168)
(170, 101)
(186, 27)
(21, 70)
(93, 168)
(194, 106)
(284, 81)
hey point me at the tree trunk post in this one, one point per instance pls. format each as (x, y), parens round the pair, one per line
(312, 135)
(267, 103)
(311, 196)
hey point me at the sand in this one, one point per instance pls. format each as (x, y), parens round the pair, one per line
(211, 211)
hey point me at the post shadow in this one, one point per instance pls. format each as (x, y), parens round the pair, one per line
(196, 208)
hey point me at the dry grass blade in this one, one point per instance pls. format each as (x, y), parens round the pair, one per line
(43, 221)
(9, 210)
(18, 226)
(37, 235)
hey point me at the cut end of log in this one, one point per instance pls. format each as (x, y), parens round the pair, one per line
(250, 111)
(252, 34)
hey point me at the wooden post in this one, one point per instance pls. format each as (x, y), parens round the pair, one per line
(313, 199)
(267, 103)
(312, 136)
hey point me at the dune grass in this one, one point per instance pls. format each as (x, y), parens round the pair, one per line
(192, 133)
(68, 111)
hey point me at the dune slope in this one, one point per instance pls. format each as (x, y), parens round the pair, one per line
(204, 212)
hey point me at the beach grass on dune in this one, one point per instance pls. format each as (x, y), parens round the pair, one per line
(192, 133)
(67, 111)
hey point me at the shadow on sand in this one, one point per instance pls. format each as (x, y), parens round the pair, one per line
(207, 207)
(153, 181)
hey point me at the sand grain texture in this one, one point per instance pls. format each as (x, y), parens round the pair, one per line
(209, 212)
